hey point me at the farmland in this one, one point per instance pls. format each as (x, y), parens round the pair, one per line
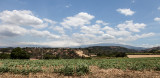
(142, 56)
(81, 67)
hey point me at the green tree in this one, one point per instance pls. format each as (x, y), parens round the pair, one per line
(18, 53)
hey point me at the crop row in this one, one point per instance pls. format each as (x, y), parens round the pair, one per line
(77, 66)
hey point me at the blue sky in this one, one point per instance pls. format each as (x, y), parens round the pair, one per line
(65, 23)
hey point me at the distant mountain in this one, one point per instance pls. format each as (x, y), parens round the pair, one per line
(84, 46)
(153, 49)
(110, 44)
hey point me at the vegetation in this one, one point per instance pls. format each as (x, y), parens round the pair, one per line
(18, 53)
(77, 66)
(4, 56)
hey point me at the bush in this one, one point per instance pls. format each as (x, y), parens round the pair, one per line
(48, 56)
(120, 54)
(4, 56)
(112, 54)
(18, 53)
(70, 70)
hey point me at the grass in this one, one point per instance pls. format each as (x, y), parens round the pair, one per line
(77, 66)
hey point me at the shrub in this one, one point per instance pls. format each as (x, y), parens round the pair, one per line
(48, 56)
(75, 70)
(4, 56)
(120, 54)
(18, 53)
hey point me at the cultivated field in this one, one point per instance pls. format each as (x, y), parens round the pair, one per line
(142, 56)
(84, 68)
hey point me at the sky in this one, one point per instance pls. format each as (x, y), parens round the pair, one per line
(68, 23)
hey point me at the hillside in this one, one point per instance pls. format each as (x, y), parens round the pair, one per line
(110, 51)
(153, 49)
(112, 44)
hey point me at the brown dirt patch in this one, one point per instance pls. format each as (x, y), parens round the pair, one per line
(95, 72)
(0, 64)
(117, 73)
(142, 56)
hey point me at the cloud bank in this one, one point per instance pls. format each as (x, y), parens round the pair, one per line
(75, 30)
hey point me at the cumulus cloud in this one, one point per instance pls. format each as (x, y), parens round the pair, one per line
(21, 18)
(25, 23)
(149, 45)
(13, 23)
(157, 19)
(135, 37)
(126, 12)
(134, 27)
(80, 19)
(101, 22)
(58, 29)
(118, 33)
(52, 43)
(94, 29)
(107, 36)
(43, 34)
(11, 31)
(127, 31)
(84, 38)
(124, 29)
(50, 21)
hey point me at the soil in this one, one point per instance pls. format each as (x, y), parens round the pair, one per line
(142, 56)
(95, 72)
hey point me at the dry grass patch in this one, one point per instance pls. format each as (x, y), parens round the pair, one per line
(142, 56)
(95, 72)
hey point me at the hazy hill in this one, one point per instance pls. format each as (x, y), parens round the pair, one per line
(111, 44)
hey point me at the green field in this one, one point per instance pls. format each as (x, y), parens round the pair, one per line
(77, 66)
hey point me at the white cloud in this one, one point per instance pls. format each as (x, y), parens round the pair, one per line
(14, 23)
(59, 29)
(107, 36)
(157, 19)
(126, 12)
(145, 35)
(11, 30)
(107, 28)
(80, 19)
(69, 5)
(52, 43)
(149, 45)
(43, 34)
(94, 29)
(84, 38)
(50, 21)
(21, 18)
(119, 33)
(115, 32)
(134, 27)
(135, 37)
(101, 22)
(124, 29)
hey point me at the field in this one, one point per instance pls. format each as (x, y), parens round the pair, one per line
(92, 68)
(142, 56)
